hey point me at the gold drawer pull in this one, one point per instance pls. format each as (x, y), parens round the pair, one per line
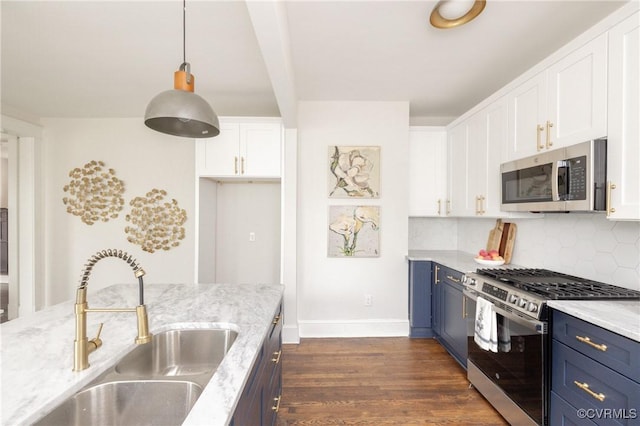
(585, 387)
(599, 346)
(276, 407)
(276, 356)
(276, 319)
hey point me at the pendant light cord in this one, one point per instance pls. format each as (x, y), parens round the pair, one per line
(184, 31)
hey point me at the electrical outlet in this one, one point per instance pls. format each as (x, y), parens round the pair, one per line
(252, 236)
(368, 300)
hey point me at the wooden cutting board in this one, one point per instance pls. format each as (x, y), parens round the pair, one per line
(502, 238)
(495, 236)
(508, 241)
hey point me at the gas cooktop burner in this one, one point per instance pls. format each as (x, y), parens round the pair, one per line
(555, 285)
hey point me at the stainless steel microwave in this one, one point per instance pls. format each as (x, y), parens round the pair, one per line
(566, 179)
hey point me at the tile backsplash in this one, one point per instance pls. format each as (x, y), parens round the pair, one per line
(582, 244)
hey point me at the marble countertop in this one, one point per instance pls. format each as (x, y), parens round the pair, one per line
(458, 260)
(622, 317)
(37, 350)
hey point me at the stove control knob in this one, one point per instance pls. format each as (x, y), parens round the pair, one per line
(532, 307)
(468, 281)
(513, 298)
(522, 303)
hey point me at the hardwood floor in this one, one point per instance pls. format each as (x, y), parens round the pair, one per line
(378, 381)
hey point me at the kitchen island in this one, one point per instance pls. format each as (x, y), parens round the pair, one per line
(37, 350)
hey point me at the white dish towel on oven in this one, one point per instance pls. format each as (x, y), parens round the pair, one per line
(486, 326)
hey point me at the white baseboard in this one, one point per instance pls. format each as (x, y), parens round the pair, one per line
(354, 328)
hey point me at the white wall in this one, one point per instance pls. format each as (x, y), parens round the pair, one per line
(582, 244)
(331, 291)
(144, 160)
(207, 208)
(244, 208)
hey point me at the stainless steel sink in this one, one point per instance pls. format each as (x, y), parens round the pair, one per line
(189, 352)
(155, 384)
(127, 403)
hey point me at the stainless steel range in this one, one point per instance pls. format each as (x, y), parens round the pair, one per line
(515, 379)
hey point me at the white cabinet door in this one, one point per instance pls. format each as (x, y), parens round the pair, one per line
(485, 157)
(623, 145)
(218, 156)
(563, 105)
(260, 149)
(427, 171)
(459, 202)
(527, 110)
(577, 101)
(243, 149)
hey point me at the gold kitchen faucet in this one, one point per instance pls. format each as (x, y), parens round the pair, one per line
(82, 347)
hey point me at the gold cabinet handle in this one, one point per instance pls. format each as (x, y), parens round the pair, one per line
(276, 356)
(241, 165)
(435, 275)
(448, 207)
(235, 165)
(549, 126)
(464, 307)
(610, 186)
(599, 346)
(454, 279)
(439, 206)
(276, 407)
(477, 209)
(276, 319)
(585, 387)
(481, 204)
(539, 130)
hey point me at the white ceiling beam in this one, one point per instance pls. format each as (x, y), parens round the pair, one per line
(269, 19)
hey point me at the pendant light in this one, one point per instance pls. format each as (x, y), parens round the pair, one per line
(180, 112)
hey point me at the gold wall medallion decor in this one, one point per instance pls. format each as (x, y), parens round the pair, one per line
(155, 224)
(95, 193)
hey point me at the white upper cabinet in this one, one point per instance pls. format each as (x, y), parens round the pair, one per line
(527, 110)
(485, 156)
(577, 101)
(475, 154)
(427, 171)
(458, 200)
(563, 105)
(245, 148)
(623, 144)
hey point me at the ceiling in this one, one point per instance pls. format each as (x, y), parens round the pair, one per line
(258, 58)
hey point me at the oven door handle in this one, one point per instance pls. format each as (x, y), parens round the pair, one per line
(539, 326)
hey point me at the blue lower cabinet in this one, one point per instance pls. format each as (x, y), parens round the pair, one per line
(593, 375)
(261, 396)
(450, 322)
(564, 414)
(420, 299)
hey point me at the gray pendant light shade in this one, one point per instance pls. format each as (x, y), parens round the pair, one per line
(181, 113)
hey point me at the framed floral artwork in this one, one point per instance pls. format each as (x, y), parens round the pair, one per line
(354, 172)
(354, 231)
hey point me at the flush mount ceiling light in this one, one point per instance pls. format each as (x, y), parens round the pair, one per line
(180, 112)
(453, 13)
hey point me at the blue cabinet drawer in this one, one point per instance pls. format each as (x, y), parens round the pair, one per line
(617, 352)
(563, 414)
(588, 385)
(451, 276)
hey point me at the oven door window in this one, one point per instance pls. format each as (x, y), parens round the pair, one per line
(533, 184)
(518, 367)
